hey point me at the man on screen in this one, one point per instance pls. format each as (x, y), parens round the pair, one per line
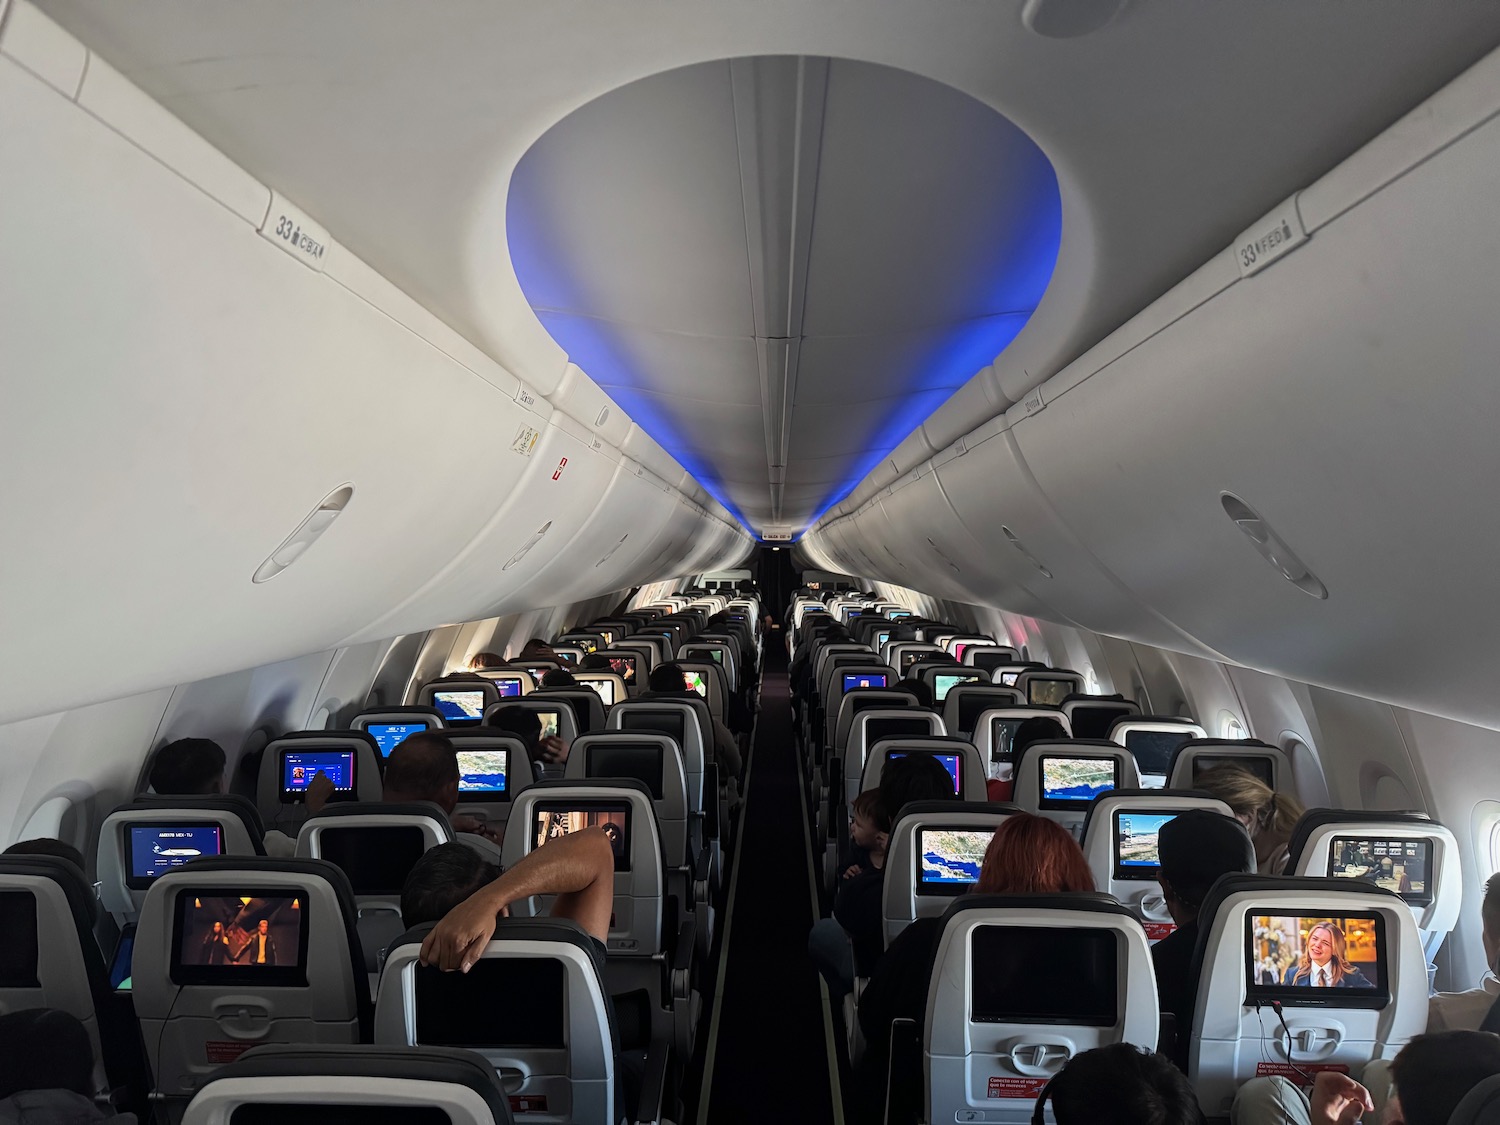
(1324, 963)
(261, 948)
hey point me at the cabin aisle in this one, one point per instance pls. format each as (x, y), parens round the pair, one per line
(770, 1059)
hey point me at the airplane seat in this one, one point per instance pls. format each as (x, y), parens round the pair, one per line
(351, 760)
(1058, 778)
(966, 702)
(208, 985)
(935, 852)
(609, 686)
(390, 726)
(686, 721)
(1020, 985)
(298, 1085)
(375, 846)
(49, 958)
(843, 680)
(588, 708)
(855, 701)
(1197, 756)
(1153, 739)
(493, 766)
(994, 652)
(1257, 1014)
(715, 685)
(1425, 868)
(877, 723)
(646, 647)
(534, 1006)
(1480, 1106)
(1119, 842)
(1048, 686)
(557, 716)
(651, 940)
(1092, 716)
(995, 730)
(140, 840)
(460, 700)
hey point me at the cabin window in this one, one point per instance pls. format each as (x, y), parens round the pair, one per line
(1091, 680)
(1231, 727)
(1495, 845)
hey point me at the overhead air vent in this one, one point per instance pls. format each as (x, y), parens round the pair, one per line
(530, 543)
(1069, 19)
(1271, 546)
(1027, 555)
(292, 548)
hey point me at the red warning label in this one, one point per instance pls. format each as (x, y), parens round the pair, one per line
(1155, 931)
(1289, 1072)
(528, 1103)
(1016, 1087)
(224, 1050)
(561, 465)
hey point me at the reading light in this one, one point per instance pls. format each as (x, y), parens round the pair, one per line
(292, 548)
(1271, 546)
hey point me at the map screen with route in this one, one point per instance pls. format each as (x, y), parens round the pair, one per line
(1136, 854)
(1077, 779)
(952, 856)
(459, 706)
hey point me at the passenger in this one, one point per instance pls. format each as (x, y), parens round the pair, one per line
(1122, 1085)
(194, 767)
(524, 724)
(46, 845)
(47, 1071)
(1454, 1011)
(1038, 728)
(667, 681)
(424, 767)
(919, 690)
(482, 660)
(537, 649)
(1027, 855)
(1195, 847)
(1429, 1078)
(1269, 816)
(557, 677)
(867, 842)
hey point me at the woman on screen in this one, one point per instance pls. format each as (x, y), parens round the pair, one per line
(1267, 815)
(1324, 963)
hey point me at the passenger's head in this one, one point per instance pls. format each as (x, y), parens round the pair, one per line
(189, 767)
(440, 880)
(558, 677)
(919, 690)
(1036, 729)
(1489, 913)
(1433, 1072)
(864, 818)
(44, 1049)
(482, 660)
(1195, 847)
(524, 724)
(668, 677)
(1122, 1085)
(916, 777)
(46, 845)
(424, 767)
(1255, 804)
(537, 649)
(1031, 855)
(596, 662)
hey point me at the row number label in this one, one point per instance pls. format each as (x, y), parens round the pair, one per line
(289, 228)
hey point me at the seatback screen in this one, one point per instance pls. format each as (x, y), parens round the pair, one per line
(1137, 855)
(557, 818)
(604, 689)
(508, 689)
(624, 667)
(696, 682)
(673, 724)
(152, 850)
(911, 657)
(944, 682)
(1068, 782)
(989, 661)
(1255, 765)
(953, 763)
(460, 706)
(641, 762)
(876, 729)
(1316, 960)
(500, 1002)
(1153, 749)
(1035, 974)
(239, 936)
(299, 767)
(388, 736)
(483, 771)
(1398, 864)
(949, 859)
(376, 859)
(1046, 692)
(1094, 720)
(863, 680)
(19, 947)
(549, 720)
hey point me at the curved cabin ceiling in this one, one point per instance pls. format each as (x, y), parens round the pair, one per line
(780, 266)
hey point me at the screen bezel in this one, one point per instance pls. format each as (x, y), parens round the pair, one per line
(1071, 684)
(299, 796)
(1412, 898)
(1075, 804)
(585, 804)
(144, 882)
(978, 957)
(933, 888)
(1305, 996)
(1135, 872)
(502, 793)
(661, 763)
(239, 976)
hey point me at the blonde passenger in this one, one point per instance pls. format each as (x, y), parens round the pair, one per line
(1267, 815)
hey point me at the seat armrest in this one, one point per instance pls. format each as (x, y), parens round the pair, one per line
(711, 801)
(682, 960)
(904, 1081)
(653, 1083)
